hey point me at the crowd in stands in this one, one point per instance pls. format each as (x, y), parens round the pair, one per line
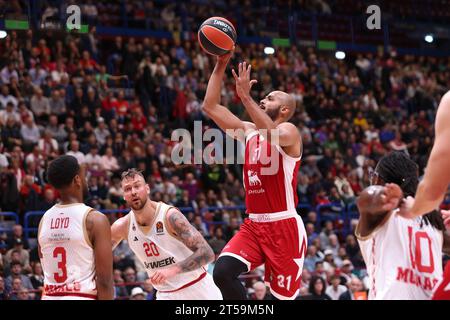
(114, 102)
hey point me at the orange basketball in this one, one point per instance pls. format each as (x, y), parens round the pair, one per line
(217, 36)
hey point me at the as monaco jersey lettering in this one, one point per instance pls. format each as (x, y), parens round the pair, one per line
(68, 257)
(403, 259)
(270, 177)
(158, 249)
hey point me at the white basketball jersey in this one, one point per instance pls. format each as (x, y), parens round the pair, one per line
(67, 255)
(403, 259)
(158, 249)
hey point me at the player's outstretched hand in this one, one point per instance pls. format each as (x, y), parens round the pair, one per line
(446, 216)
(225, 58)
(391, 196)
(243, 82)
(406, 206)
(161, 275)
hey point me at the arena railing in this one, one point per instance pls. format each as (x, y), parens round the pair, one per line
(340, 213)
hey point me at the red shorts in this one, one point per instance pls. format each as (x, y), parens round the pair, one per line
(280, 245)
(443, 290)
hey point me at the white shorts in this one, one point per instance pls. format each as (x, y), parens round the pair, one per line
(205, 289)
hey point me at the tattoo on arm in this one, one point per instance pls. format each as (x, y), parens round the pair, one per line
(192, 239)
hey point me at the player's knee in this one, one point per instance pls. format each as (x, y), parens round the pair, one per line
(227, 269)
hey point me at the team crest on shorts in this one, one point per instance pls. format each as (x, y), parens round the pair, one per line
(159, 227)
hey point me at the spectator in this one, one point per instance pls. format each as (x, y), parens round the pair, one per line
(355, 287)
(3, 293)
(9, 112)
(137, 294)
(317, 288)
(18, 253)
(40, 105)
(109, 161)
(30, 133)
(130, 279)
(16, 273)
(120, 292)
(260, 291)
(37, 279)
(17, 233)
(311, 258)
(217, 243)
(336, 289)
(75, 151)
(6, 97)
(149, 290)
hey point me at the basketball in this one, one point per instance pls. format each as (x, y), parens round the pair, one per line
(217, 36)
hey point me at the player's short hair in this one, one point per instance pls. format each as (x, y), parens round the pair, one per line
(62, 171)
(131, 173)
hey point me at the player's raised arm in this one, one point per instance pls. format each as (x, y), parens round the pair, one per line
(223, 117)
(286, 133)
(119, 230)
(179, 226)
(98, 227)
(374, 203)
(431, 190)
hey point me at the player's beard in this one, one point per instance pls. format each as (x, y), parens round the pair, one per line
(138, 205)
(273, 113)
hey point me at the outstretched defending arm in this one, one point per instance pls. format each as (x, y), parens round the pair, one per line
(100, 234)
(431, 190)
(179, 226)
(223, 117)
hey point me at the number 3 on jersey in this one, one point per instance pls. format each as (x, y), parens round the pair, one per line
(60, 254)
(151, 249)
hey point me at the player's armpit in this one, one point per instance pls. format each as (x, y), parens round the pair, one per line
(191, 238)
(119, 231)
(99, 231)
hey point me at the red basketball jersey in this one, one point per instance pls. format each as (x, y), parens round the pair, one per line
(270, 177)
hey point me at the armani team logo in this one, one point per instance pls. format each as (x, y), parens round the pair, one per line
(159, 227)
(134, 227)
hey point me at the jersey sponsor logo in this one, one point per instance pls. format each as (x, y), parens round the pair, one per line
(133, 227)
(67, 287)
(159, 228)
(136, 238)
(253, 179)
(410, 276)
(160, 263)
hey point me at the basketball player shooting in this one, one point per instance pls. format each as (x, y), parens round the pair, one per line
(172, 251)
(433, 187)
(403, 256)
(74, 240)
(274, 233)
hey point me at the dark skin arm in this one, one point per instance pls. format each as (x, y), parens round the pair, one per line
(99, 231)
(374, 203)
(179, 226)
